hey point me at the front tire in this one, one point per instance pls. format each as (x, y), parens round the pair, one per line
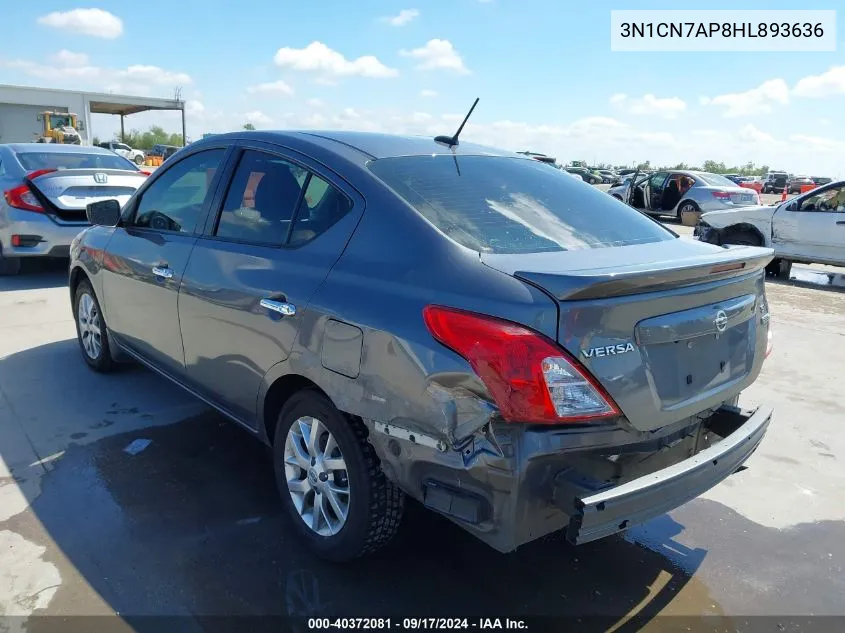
(742, 237)
(330, 480)
(91, 329)
(9, 266)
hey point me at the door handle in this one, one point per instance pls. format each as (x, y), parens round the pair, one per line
(841, 222)
(280, 307)
(163, 272)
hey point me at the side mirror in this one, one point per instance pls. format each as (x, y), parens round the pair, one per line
(792, 206)
(103, 213)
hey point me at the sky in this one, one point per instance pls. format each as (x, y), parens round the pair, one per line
(544, 72)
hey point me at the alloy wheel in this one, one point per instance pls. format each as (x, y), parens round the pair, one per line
(90, 332)
(317, 477)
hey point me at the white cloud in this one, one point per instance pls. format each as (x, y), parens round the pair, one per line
(818, 143)
(276, 87)
(437, 54)
(93, 22)
(316, 103)
(829, 83)
(758, 100)
(67, 58)
(258, 118)
(752, 134)
(317, 57)
(138, 79)
(428, 94)
(668, 107)
(402, 18)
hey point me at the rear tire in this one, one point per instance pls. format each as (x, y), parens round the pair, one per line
(687, 207)
(9, 266)
(337, 469)
(91, 331)
(139, 160)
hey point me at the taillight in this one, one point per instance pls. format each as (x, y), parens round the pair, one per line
(145, 173)
(530, 378)
(722, 195)
(23, 198)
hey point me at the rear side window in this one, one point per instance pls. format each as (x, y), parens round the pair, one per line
(32, 161)
(268, 193)
(495, 204)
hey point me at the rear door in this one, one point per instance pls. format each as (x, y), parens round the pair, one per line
(147, 255)
(813, 226)
(283, 223)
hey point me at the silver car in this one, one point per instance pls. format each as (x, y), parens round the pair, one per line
(676, 192)
(45, 191)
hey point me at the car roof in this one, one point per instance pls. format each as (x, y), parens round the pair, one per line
(25, 148)
(368, 145)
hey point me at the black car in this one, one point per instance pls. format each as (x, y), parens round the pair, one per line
(821, 181)
(165, 151)
(775, 182)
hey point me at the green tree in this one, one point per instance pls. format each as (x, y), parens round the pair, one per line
(645, 165)
(249, 126)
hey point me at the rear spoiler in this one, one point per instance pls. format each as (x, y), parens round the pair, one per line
(733, 261)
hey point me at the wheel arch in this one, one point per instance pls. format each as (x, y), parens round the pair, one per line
(76, 277)
(272, 398)
(744, 227)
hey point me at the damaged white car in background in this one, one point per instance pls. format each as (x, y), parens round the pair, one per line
(809, 228)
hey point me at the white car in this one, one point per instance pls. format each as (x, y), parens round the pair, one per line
(809, 228)
(122, 149)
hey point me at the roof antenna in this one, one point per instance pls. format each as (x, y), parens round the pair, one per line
(452, 141)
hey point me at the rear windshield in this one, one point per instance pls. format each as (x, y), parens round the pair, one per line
(32, 161)
(495, 204)
(716, 180)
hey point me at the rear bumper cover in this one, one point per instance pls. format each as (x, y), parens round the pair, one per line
(603, 513)
(53, 239)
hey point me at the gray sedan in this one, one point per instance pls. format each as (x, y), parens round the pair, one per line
(676, 192)
(404, 316)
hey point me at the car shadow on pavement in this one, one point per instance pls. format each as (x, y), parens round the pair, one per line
(37, 274)
(184, 519)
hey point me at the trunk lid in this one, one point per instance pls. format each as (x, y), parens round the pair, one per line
(669, 329)
(68, 191)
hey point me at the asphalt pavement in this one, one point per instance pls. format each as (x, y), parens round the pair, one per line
(121, 494)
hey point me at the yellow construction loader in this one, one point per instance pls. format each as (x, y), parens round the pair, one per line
(59, 127)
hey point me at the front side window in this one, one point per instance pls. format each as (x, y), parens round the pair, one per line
(175, 200)
(499, 204)
(829, 201)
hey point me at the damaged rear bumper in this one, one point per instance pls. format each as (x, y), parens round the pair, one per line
(609, 511)
(512, 484)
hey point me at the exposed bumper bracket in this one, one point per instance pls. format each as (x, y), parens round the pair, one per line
(615, 509)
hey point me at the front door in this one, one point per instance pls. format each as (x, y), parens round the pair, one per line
(813, 226)
(654, 191)
(246, 290)
(147, 255)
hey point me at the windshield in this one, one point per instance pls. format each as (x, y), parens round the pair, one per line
(32, 161)
(716, 180)
(495, 204)
(60, 120)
